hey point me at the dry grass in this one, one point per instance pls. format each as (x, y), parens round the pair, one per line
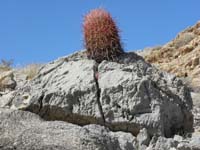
(31, 71)
(5, 65)
(10, 76)
(182, 40)
(2, 68)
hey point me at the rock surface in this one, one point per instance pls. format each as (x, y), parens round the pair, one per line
(75, 103)
(127, 95)
(22, 130)
(181, 56)
(7, 81)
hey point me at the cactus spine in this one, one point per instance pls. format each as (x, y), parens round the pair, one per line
(101, 36)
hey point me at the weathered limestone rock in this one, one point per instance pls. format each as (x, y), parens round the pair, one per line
(7, 81)
(125, 96)
(139, 94)
(143, 139)
(6, 98)
(162, 143)
(22, 130)
(176, 143)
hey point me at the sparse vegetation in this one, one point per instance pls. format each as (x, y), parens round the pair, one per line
(9, 75)
(184, 39)
(5, 65)
(31, 70)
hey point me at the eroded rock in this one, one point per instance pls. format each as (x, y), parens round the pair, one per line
(125, 96)
(7, 81)
(181, 56)
(22, 130)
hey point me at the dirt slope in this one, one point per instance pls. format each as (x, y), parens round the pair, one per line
(181, 56)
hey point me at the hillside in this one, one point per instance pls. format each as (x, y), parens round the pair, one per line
(181, 56)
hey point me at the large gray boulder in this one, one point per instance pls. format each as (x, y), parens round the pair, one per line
(20, 130)
(124, 96)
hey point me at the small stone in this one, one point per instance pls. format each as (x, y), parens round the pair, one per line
(7, 81)
(143, 137)
(183, 146)
(195, 62)
(178, 138)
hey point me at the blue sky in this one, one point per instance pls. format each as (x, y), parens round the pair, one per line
(34, 31)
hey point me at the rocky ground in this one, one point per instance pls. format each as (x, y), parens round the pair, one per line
(181, 56)
(73, 103)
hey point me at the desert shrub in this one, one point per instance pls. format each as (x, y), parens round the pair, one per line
(183, 39)
(6, 65)
(31, 71)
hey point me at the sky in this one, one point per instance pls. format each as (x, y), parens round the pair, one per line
(39, 31)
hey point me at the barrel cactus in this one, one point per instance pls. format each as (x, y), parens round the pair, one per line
(101, 36)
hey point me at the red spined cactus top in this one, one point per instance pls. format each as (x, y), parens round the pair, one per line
(101, 36)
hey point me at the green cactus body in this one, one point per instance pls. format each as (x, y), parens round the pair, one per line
(101, 36)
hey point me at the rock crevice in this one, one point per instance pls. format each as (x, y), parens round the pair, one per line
(98, 92)
(119, 95)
